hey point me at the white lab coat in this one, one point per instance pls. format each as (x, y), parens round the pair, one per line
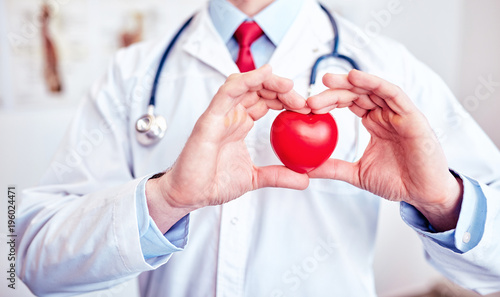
(79, 228)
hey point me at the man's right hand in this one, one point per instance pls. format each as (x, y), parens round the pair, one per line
(215, 167)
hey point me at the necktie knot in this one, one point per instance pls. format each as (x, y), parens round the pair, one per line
(245, 35)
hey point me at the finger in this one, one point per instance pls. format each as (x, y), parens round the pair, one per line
(304, 110)
(395, 98)
(250, 81)
(331, 98)
(292, 100)
(230, 93)
(324, 110)
(273, 88)
(277, 176)
(278, 84)
(337, 81)
(360, 112)
(379, 101)
(249, 99)
(267, 94)
(258, 110)
(341, 81)
(274, 104)
(337, 170)
(282, 89)
(274, 83)
(365, 102)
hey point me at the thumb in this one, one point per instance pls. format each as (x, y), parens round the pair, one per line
(337, 170)
(278, 176)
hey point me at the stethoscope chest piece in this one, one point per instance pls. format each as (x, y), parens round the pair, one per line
(150, 128)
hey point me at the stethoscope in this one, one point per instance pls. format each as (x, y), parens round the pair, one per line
(151, 128)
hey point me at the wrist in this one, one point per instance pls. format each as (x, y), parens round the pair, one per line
(443, 213)
(164, 210)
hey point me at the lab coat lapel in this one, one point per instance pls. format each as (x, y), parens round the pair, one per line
(205, 44)
(306, 40)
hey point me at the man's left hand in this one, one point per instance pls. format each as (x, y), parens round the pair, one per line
(404, 160)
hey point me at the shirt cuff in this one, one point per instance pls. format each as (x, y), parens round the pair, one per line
(470, 226)
(153, 242)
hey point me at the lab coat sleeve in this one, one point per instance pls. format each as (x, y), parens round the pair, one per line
(469, 254)
(79, 229)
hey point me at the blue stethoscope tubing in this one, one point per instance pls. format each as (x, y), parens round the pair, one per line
(335, 50)
(152, 100)
(314, 71)
(153, 134)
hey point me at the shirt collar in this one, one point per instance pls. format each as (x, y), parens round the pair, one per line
(227, 18)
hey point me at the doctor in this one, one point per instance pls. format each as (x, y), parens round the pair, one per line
(102, 216)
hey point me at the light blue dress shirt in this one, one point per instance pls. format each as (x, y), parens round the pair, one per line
(226, 19)
(153, 242)
(470, 226)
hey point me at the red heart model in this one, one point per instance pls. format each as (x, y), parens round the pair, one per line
(303, 141)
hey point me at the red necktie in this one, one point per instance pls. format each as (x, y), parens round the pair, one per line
(245, 35)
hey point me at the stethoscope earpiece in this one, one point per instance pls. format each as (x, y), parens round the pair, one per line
(150, 128)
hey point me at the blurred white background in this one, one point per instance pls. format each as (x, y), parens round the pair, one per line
(458, 38)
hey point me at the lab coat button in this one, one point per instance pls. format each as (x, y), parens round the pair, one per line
(466, 237)
(234, 221)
